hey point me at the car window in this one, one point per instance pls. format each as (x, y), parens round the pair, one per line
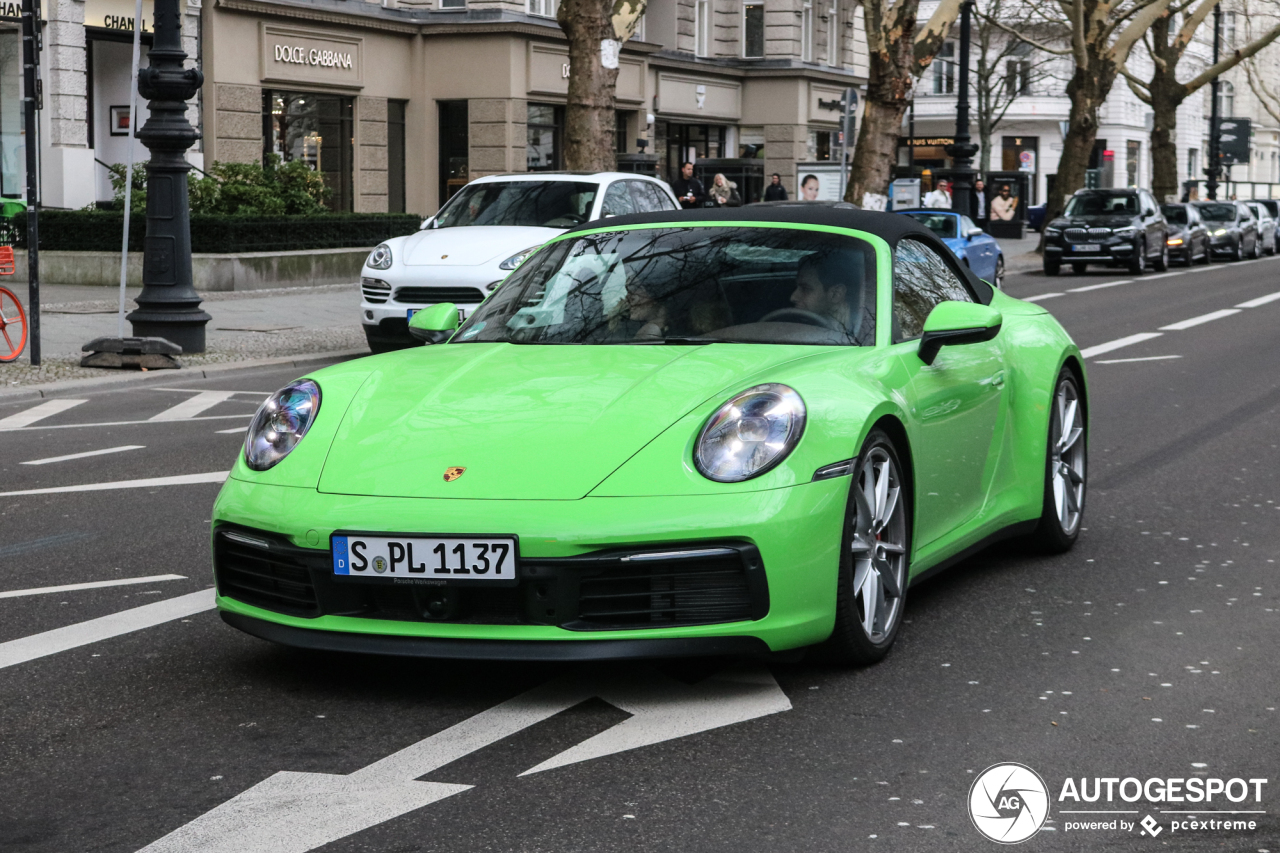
(1175, 214)
(1245, 213)
(966, 224)
(942, 224)
(656, 196)
(921, 279)
(1217, 212)
(1102, 203)
(549, 204)
(643, 199)
(617, 201)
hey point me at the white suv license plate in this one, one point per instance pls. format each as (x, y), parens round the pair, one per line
(1087, 247)
(428, 560)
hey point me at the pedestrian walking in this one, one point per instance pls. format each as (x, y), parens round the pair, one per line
(939, 196)
(724, 192)
(688, 189)
(775, 191)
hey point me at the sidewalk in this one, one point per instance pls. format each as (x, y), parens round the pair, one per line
(246, 325)
(1020, 255)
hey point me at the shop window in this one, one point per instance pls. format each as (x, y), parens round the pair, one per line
(395, 156)
(545, 136)
(454, 162)
(944, 70)
(753, 30)
(820, 144)
(13, 163)
(702, 28)
(317, 130)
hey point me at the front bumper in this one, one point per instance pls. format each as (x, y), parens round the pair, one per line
(1110, 250)
(795, 532)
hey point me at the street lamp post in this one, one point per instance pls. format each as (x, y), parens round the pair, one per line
(962, 150)
(1214, 167)
(168, 306)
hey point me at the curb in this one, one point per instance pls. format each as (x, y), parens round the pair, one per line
(36, 392)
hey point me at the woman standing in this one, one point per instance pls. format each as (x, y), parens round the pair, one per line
(724, 192)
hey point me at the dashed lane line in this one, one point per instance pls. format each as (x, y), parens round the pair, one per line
(47, 643)
(1261, 300)
(46, 409)
(1041, 297)
(1196, 321)
(36, 427)
(72, 587)
(1100, 286)
(1127, 360)
(181, 480)
(70, 456)
(193, 406)
(1118, 344)
(231, 431)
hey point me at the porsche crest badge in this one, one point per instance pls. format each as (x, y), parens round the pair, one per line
(452, 473)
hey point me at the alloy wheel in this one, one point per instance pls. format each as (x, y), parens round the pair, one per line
(878, 544)
(1067, 462)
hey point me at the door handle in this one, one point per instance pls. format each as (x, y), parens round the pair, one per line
(998, 379)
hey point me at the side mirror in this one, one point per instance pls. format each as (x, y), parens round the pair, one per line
(974, 232)
(428, 223)
(436, 324)
(955, 323)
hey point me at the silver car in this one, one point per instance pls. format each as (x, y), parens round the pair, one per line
(1266, 225)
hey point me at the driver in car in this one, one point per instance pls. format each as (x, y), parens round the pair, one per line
(821, 289)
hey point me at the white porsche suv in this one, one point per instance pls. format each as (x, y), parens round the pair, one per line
(489, 226)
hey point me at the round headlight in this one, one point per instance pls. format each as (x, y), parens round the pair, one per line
(280, 424)
(380, 258)
(750, 434)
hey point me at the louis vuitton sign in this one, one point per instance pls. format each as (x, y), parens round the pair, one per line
(314, 57)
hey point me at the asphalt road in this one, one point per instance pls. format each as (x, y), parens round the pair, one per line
(1147, 651)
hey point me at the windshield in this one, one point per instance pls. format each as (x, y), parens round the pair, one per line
(939, 223)
(687, 285)
(1103, 204)
(546, 204)
(1218, 212)
(1175, 214)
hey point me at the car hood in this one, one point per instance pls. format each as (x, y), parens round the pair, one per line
(956, 244)
(1095, 222)
(526, 422)
(470, 246)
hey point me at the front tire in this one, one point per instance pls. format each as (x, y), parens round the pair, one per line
(1257, 249)
(1162, 262)
(1138, 264)
(1052, 266)
(874, 557)
(1065, 470)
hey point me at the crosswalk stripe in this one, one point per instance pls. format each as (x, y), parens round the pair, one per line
(1196, 321)
(1120, 343)
(47, 409)
(180, 480)
(86, 454)
(73, 587)
(193, 406)
(104, 628)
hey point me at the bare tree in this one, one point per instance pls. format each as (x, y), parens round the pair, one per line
(596, 30)
(1102, 34)
(1007, 68)
(897, 55)
(1266, 93)
(1164, 94)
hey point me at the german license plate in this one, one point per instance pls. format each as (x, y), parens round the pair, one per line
(1087, 247)
(430, 560)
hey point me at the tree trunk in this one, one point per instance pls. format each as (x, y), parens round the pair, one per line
(889, 90)
(589, 119)
(1087, 90)
(1164, 148)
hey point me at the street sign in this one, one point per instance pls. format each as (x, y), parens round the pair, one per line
(1233, 140)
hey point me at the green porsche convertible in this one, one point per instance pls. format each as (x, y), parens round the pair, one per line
(682, 433)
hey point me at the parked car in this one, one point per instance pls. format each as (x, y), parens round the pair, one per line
(701, 432)
(1233, 232)
(1188, 239)
(977, 249)
(1272, 206)
(464, 252)
(1117, 227)
(1266, 225)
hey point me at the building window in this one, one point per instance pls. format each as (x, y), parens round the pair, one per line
(1017, 74)
(1132, 153)
(317, 130)
(833, 34)
(543, 8)
(13, 165)
(677, 143)
(702, 28)
(753, 31)
(1228, 31)
(454, 158)
(1226, 99)
(806, 32)
(1193, 163)
(944, 70)
(545, 135)
(453, 4)
(820, 144)
(395, 156)
(620, 131)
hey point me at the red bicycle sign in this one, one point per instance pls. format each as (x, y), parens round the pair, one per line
(13, 320)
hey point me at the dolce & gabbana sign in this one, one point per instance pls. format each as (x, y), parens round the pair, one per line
(293, 55)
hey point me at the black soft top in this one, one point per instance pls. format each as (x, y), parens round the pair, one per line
(891, 227)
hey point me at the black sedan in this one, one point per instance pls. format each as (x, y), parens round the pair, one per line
(1117, 227)
(1188, 239)
(1233, 232)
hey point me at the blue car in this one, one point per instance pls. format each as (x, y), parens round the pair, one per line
(975, 247)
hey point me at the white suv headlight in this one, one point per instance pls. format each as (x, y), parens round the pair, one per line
(380, 258)
(518, 258)
(750, 434)
(280, 423)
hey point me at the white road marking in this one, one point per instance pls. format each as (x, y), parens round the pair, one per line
(1127, 360)
(47, 409)
(72, 587)
(233, 429)
(1100, 286)
(194, 406)
(1042, 296)
(1261, 300)
(1163, 275)
(1196, 321)
(1120, 343)
(104, 628)
(180, 480)
(294, 812)
(201, 391)
(86, 454)
(129, 423)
